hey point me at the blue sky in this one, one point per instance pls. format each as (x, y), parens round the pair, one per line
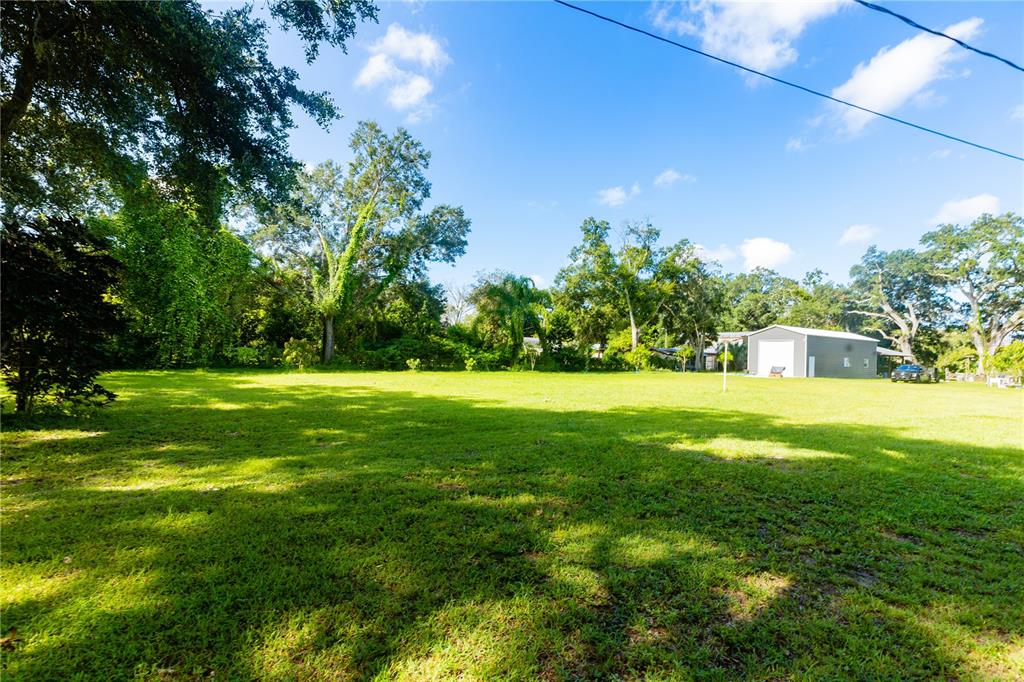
(538, 117)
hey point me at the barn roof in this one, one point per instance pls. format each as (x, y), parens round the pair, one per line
(827, 333)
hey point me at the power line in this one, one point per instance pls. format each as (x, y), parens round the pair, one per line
(789, 83)
(908, 20)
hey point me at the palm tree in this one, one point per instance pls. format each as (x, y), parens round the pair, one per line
(507, 302)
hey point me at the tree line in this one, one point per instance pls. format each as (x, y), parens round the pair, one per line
(957, 301)
(154, 217)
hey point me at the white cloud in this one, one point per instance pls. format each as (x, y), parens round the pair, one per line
(667, 178)
(421, 48)
(538, 281)
(617, 196)
(1017, 113)
(721, 254)
(929, 99)
(962, 211)
(379, 68)
(410, 92)
(671, 176)
(756, 34)
(895, 76)
(612, 196)
(857, 234)
(763, 252)
(939, 154)
(795, 144)
(407, 88)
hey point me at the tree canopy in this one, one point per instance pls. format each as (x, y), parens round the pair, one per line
(98, 96)
(984, 262)
(898, 293)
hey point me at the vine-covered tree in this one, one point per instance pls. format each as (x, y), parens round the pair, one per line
(55, 316)
(98, 96)
(353, 232)
(185, 288)
(984, 262)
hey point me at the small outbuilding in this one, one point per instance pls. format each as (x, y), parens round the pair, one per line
(803, 352)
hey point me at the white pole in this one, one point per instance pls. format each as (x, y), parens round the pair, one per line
(725, 362)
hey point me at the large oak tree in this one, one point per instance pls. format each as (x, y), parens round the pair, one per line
(984, 262)
(898, 293)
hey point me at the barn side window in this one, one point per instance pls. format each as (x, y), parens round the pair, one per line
(867, 363)
(846, 362)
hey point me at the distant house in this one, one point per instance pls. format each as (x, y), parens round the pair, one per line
(803, 352)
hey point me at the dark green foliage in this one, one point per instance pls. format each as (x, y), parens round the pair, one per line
(762, 297)
(276, 310)
(56, 317)
(434, 353)
(403, 309)
(99, 95)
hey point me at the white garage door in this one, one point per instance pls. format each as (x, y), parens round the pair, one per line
(774, 354)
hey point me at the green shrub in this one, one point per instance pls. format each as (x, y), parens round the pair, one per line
(242, 356)
(470, 364)
(413, 364)
(255, 354)
(1010, 359)
(301, 353)
(619, 353)
(433, 352)
(960, 359)
(639, 358)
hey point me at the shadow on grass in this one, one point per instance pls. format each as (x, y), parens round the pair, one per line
(214, 525)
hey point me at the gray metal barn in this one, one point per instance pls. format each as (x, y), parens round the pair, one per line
(803, 352)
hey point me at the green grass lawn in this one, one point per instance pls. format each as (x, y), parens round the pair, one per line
(234, 525)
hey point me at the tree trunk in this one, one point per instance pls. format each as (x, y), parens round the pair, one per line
(327, 351)
(979, 347)
(698, 354)
(634, 333)
(906, 348)
(24, 85)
